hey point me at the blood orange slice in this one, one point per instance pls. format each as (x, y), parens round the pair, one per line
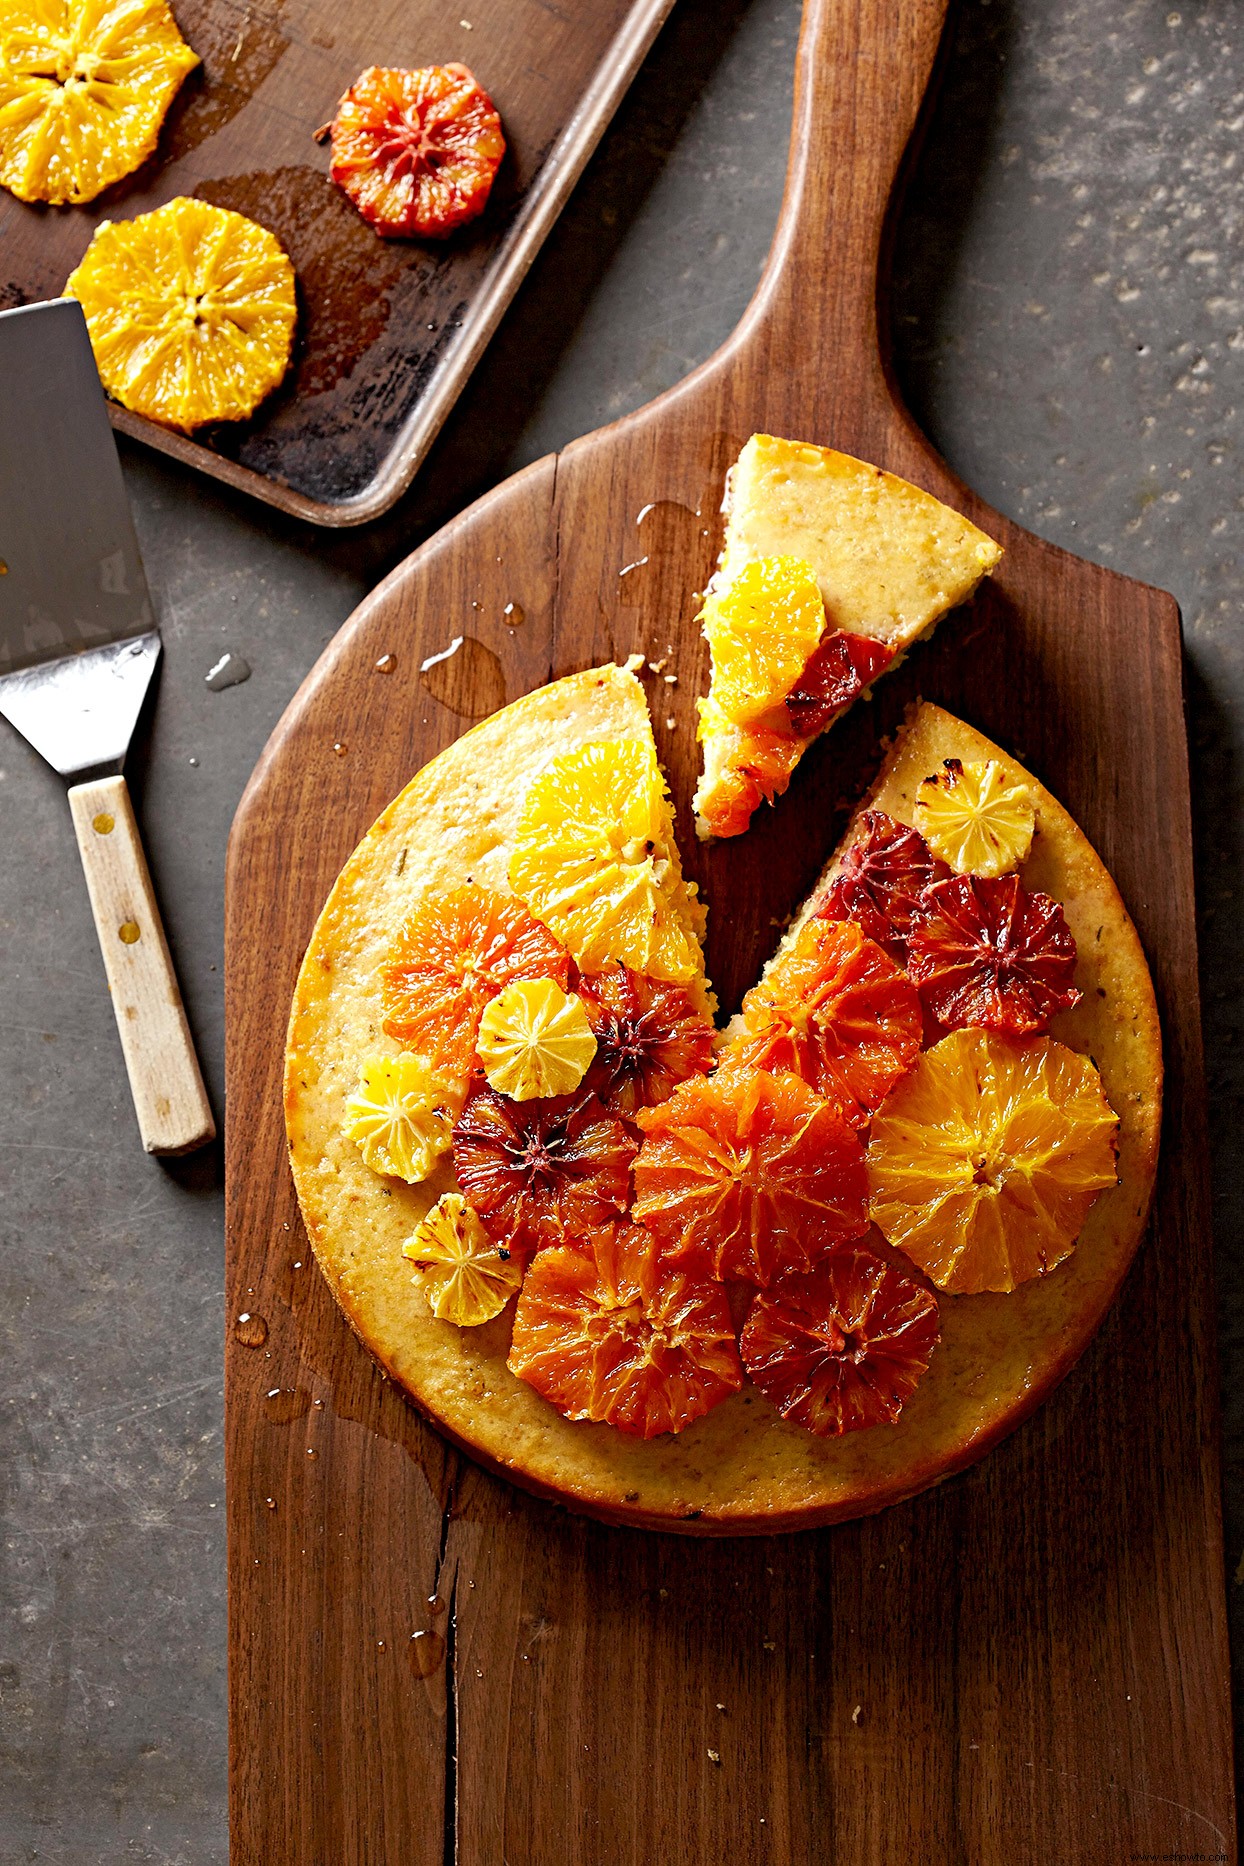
(649, 1038)
(836, 674)
(843, 1348)
(746, 1174)
(836, 1011)
(416, 151)
(538, 1172)
(607, 1330)
(883, 875)
(987, 952)
(455, 953)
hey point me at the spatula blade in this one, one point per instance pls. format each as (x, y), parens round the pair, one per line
(72, 584)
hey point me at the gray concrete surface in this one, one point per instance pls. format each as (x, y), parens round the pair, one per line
(1069, 327)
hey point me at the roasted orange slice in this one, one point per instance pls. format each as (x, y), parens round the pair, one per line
(397, 1117)
(975, 817)
(836, 1011)
(607, 1330)
(191, 312)
(649, 1038)
(464, 1277)
(455, 953)
(985, 1160)
(417, 151)
(844, 1348)
(881, 880)
(986, 951)
(746, 1174)
(84, 87)
(535, 1040)
(539, 1172)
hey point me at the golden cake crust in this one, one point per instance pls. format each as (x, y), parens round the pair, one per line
(741, 1469)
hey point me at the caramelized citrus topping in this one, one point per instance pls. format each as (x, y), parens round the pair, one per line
(837, 673)
(761, 628)
(594, 860)
(985, 1160)
(843, 1348)
(398, 1117)
(746, 1174)
(538, 1172)
(84, 87)
(989, 952)
(607, 1330)
(465, 1278)
(534, 1039)
(757, 770)
(417, 151)
(649, 1038)
(836, 1011)
(880, 881)
(976, 819)
(455, 953)
(191, 312)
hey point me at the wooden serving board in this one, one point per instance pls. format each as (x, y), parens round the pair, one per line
(1026, 1665)
(389, 330)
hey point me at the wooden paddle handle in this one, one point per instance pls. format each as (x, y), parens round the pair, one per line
(174, 1115)
(862, 72)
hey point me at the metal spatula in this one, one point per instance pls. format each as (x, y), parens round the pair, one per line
(78, 647)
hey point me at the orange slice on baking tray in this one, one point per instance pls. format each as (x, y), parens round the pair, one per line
(416, 152)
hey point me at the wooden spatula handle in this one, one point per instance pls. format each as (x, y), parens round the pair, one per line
(174, 1115)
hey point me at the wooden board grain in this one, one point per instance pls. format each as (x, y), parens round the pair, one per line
(389, 330)
(1026, 1665)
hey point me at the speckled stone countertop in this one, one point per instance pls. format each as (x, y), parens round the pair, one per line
(1068, 318)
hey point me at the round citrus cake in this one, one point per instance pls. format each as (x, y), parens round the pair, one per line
(945, 1301)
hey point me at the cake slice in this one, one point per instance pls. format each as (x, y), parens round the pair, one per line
(829, 571)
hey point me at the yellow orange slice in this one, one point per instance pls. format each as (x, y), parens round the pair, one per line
(84, 88)
(594, 859)
(761, 628)
(398, 1117)
(191, 311)
(535, 1040)
(465, 1277)
(984, 1161)
(976, 818)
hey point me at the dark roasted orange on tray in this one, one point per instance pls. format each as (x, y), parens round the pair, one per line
(768, 1278)
(417, 151)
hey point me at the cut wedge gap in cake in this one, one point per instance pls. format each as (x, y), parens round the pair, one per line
(830, 570)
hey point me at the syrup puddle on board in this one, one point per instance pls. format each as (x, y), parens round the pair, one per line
(466, 677)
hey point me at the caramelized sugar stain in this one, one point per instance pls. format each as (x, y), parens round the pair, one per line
(346, 276)
(240, 47)
(469, 682)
